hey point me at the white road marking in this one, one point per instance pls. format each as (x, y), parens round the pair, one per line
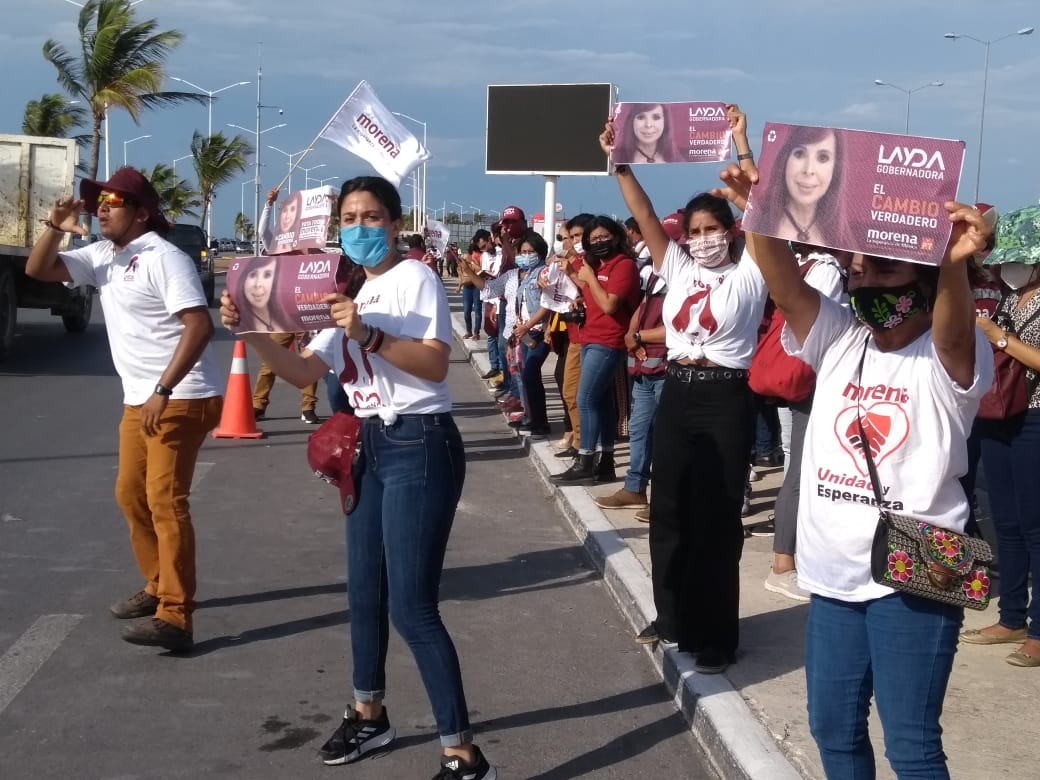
(30, 652)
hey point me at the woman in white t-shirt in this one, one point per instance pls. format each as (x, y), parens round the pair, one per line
(391, 352)
(906, 363)
(703, 427)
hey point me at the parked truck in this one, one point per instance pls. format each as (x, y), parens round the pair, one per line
(34, 172)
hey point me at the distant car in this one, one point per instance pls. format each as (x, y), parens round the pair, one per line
(244, 246)
(191, 240)
(226, 245)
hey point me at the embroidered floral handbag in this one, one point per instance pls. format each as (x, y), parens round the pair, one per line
(931, 562)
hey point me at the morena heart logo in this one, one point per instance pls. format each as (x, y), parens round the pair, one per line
(886, 427)
(362, 401)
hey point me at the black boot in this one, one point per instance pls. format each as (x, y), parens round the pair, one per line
(604, 471)
(581, 472)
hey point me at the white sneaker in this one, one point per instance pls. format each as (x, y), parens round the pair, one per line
(786, 584)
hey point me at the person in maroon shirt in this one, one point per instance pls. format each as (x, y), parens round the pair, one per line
(609, 281)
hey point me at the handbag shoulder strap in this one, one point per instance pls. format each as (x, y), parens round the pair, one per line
(864, 445)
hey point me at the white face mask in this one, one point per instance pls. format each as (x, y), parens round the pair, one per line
(578, 248)
(709, 251)
(1016, 275)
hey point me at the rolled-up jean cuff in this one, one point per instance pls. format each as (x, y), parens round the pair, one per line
(366, 697)
(456, 740)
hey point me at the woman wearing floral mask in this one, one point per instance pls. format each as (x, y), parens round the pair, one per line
(390, 351)
(702, 431)
(1011, 448)
(900, 376)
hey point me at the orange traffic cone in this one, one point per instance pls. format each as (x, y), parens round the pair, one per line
(237, 420)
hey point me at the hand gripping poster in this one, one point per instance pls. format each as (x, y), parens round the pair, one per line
(285, 293)
(873, 193)
(670, 133)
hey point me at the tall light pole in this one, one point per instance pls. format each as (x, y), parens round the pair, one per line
(177, 160)
(908, 93)
(985, 81)
(210, 94)
(421, 203)
(307, 174)
(290, 155)
(256, 173)
(462, 209)
(321, 182)
(127, 143)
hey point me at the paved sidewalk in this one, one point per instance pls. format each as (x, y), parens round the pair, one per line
(752, 720)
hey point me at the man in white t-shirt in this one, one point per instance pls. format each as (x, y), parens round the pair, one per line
(159, 329)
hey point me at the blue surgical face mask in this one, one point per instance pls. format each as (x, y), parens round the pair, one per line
(526, 261)
(364, 245)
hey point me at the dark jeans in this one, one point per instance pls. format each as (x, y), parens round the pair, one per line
(767, 427)
(472, 311)
(596, 408)
(898, 649)
(337, 396)
(412, 478)
(785, 515)
(1011, 461)
(534, 389)
(701, 436)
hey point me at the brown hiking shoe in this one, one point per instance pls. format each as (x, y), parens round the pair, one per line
(643, 515)
(141, 604)
(158, 633)
(622, 499)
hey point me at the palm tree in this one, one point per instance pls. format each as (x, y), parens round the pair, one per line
(243, 227)
(177, 198)
(120, 65)
(52, 116)
(217, 161)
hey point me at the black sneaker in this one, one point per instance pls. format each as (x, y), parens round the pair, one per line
(310, 417)
(155, 632)
(652, 635)
(355, 737)
(454, 768)
(710, 660)
(141, 604)
(488, 374)
(258, 414)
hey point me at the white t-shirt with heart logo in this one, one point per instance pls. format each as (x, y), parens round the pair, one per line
(916, 419)
(409, 302)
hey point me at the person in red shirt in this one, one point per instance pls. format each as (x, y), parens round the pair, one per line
(609, 282)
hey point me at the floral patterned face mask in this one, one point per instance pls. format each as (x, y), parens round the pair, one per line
(884, 308)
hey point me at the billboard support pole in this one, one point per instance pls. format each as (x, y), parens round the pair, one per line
(549, 211)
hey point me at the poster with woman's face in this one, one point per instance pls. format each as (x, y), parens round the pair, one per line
(285, 294)
(670, 133)
(874, 193)
(303, 220)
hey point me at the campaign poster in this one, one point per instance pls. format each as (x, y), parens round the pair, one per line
(285, 293)
(873, 193)
(303, 221)
(437, 235)
(670, 133)
(560, 292)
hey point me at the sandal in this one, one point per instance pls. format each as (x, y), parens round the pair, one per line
(1019, 658)
(974, 636)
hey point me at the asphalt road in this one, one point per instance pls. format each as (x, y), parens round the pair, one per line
(557, 688)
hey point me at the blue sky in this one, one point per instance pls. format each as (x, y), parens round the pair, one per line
(800, 61)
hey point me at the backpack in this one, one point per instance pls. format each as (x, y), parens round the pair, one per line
(774, 373)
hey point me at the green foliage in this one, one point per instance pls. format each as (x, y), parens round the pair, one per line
(52, 116)
(177, 198)
(217, 161)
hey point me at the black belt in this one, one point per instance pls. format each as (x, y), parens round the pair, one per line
(705, 373)
(438, 418)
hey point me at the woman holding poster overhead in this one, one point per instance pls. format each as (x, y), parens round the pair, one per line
(646, 135)
(391, 353)
(286, 235)
(899, 379)
(702, 431)
(802, 198)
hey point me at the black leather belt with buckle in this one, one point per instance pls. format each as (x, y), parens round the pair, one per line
(704, 374)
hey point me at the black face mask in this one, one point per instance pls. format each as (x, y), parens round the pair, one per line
(601, 250)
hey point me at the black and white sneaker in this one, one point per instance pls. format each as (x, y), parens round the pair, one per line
(356, 737)
(309, 417)
(454, 768)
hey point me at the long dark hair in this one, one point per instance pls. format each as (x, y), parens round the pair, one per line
(665, 149)
(617, 232)
(380, 188)
(274, 308)
(718, 208)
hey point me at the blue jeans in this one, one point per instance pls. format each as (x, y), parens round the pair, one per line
(534, 387)
(495, 356)
(411, 479)
(596, 409)
(1011, 461)
(338, 401)
(646, 394)
(471, 309)
(900, 650)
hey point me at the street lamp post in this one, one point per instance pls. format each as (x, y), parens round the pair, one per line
(422, 179)
(908, 93)
(462, 209)
(127, 143)
(289, 155)
(321, 182)
(256, 173)
(307, 174)
(177, 160)
(210, 94)
(985, 81)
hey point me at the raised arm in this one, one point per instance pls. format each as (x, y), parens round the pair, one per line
(44, 263)
(953, 317)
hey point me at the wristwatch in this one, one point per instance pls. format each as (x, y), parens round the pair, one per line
(637, 338)
(1002, 342)
(162, 390)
